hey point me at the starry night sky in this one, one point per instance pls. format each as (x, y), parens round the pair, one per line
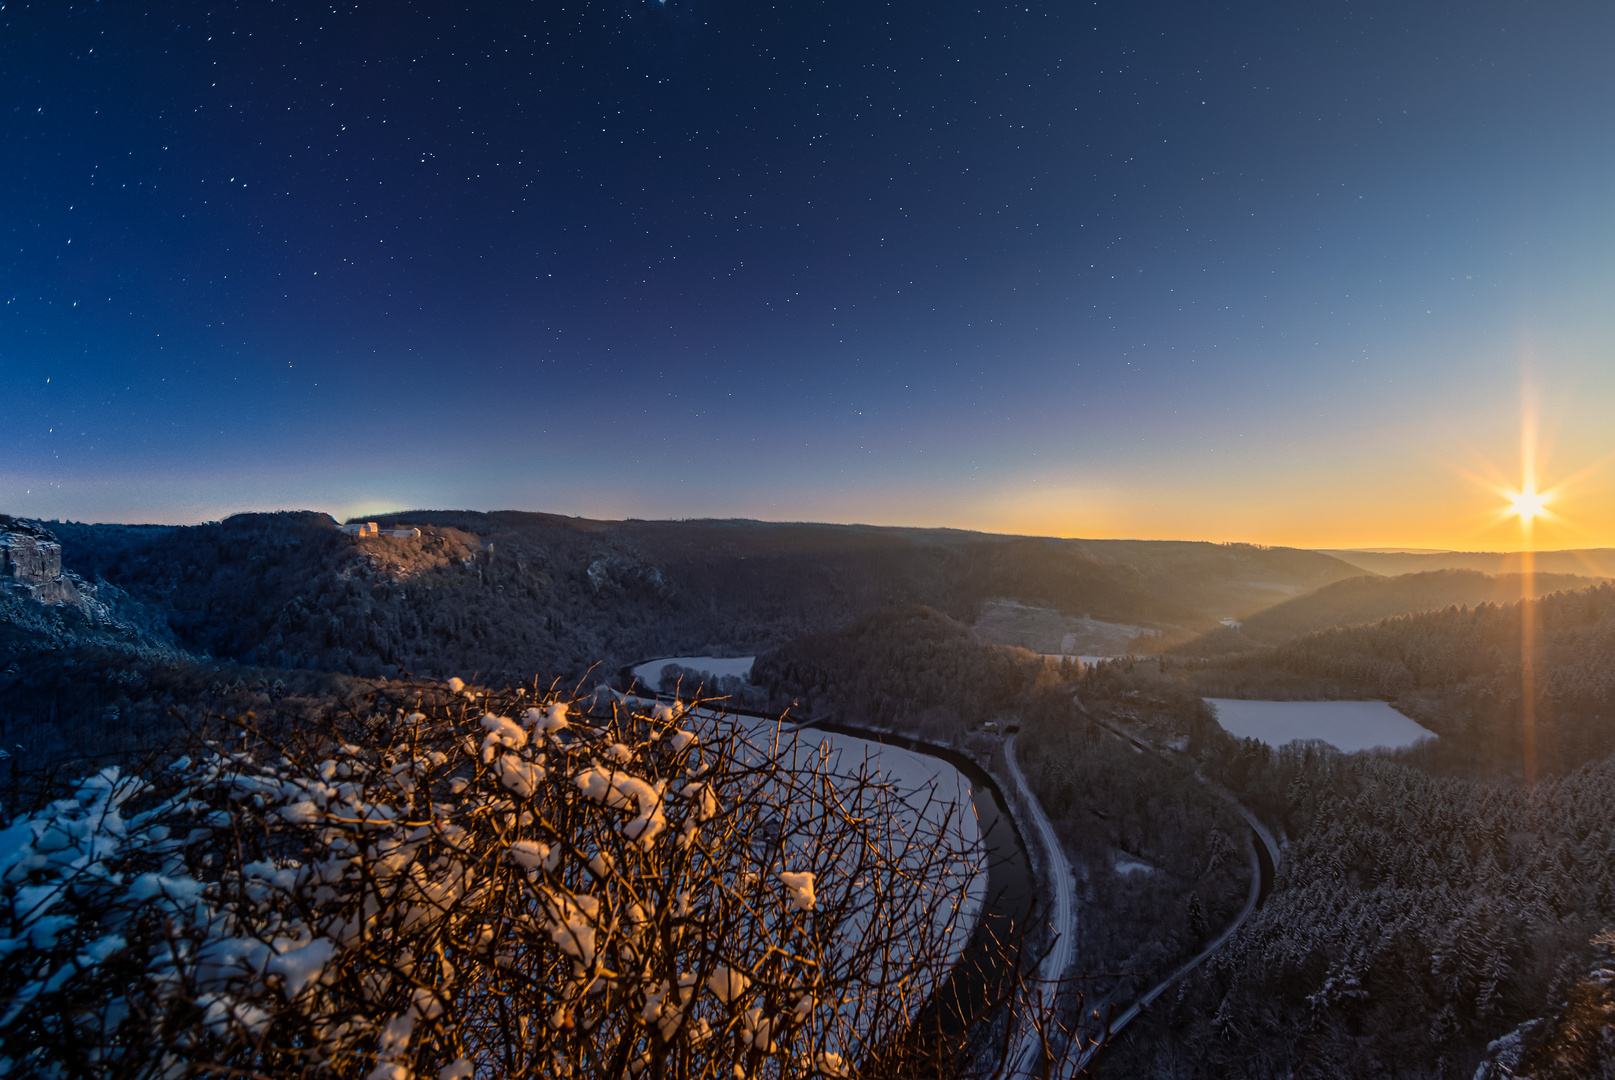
(1263, 271)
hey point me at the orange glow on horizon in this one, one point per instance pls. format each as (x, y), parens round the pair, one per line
(1515, 493)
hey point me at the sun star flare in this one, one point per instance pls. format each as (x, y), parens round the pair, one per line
(1528, 504)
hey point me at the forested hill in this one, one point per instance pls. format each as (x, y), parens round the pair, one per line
(1370, 599)
(509, 594)
(1156, 582)
(907, 667)
(1462, 673)
(1414, 921)
(1593, 562)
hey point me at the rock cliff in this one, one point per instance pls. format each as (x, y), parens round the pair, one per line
(31, 560)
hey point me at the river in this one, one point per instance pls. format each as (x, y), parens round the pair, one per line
(987, 963)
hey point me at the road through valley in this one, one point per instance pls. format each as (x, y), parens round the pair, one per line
(1026, 1056)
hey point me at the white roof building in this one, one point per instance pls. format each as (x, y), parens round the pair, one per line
(370, 528)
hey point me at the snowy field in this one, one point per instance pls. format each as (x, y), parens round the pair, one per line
(940, 816)
(937, 794)
(942, 812)
(1045, 630)
(1085, 661)
(1125, 865)
(941, 800)
(650, 672)
(1348, 726)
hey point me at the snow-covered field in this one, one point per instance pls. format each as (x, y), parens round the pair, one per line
(1085, 661)
(939, 794)
(944, 813)
(650, 672)
(941, 798)
(1348, 726)
(1044, 630)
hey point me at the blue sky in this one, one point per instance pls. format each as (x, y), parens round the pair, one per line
(1268, 272)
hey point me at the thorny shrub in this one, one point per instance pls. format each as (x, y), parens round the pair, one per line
(512, 885)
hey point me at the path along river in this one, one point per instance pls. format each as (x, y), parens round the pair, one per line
(987, 964)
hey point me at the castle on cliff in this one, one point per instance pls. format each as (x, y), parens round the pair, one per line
(370, 528)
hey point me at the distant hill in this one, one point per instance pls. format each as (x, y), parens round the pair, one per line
(1370, 599)
(1459, 672)
(509, 594)
(1590, 562)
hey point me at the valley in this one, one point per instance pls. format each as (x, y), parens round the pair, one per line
(1135, 776)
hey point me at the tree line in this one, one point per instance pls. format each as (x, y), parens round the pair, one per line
(508, 593)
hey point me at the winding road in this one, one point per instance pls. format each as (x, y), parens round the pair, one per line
(1026, 1055)
(1262, 872)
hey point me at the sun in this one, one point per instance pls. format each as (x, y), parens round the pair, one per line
(1528, 504)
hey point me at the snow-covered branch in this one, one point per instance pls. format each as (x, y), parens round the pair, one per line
(508, 885)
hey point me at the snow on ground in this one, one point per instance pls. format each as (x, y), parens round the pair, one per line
(1348, 726)
(1045, 630)
(1085, 661)
(650, 672)
(939, 795)
(1025, 1055)
(1126, 866)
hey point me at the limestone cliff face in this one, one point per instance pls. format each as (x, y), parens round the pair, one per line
(31, 559)
(44, 605)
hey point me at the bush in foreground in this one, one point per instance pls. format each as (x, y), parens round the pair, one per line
(514, 885)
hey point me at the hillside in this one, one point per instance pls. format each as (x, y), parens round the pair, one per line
(128, 635)
(1370, 599)
(1414, 921)
(507, 594)
(1462, 673)
(1149, 843)
(1428, 902)
(1592, 562)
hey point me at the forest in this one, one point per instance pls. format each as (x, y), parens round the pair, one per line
(1429, 902)
(1415, 920)
(1463, 672)
(1370, 599)
(1162, 861)
(506, 594)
